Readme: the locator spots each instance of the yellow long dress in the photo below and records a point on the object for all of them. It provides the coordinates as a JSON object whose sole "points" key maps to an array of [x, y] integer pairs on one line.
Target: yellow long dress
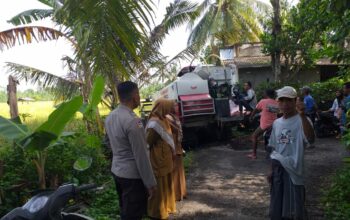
{"points": [[179, 171], [163, 202]]}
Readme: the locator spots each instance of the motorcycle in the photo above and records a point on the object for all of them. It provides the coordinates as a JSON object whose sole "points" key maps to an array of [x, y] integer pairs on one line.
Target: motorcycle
{"points": [[326, 125], [50, 205]]}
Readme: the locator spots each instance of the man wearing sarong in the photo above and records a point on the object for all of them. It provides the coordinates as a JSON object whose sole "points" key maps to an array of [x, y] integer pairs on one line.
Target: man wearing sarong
{"points": [[289, 136]]}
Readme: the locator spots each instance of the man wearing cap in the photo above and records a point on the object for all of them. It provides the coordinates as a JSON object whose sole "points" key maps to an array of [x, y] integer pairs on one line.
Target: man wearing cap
{"points": [[310, 105], [289, 136]]}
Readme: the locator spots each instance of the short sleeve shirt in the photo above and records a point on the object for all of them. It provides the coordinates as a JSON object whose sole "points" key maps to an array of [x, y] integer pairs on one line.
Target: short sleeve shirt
{"points": [[309, 103], [288, 141], [269, 110]]}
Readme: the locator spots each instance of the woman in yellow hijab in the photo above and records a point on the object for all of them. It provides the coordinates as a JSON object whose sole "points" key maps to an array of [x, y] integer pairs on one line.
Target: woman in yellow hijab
{"points": [[179, 171], [162, 150]]}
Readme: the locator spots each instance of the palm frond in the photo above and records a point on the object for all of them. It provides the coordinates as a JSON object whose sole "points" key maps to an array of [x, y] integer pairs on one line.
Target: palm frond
{"points": [[21, 35], [108, 33], [30, 16], [227, 21], [187, 54], [62, 87], [177, 14]]}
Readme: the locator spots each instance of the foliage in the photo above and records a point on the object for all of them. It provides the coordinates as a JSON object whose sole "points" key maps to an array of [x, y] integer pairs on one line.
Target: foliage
{"points": [[105, 205], [19, 181], [39, 95], [42, 137], [310, 30], [188, 160], [151, 89], [227, 21], [64, 88], [322, 92], [336, 198]]}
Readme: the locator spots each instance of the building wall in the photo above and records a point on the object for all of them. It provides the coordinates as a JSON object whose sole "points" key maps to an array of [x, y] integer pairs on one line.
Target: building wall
{"points": [[258, 75]]}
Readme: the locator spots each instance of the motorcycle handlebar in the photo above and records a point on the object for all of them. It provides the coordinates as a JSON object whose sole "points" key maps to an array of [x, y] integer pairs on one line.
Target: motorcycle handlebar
{"points": [[85, 187]]}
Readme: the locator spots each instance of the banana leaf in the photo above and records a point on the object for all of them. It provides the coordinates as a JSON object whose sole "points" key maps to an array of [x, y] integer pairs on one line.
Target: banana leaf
{"points": [[95, 97], [50, 130], [82, 163], [12, 129]]}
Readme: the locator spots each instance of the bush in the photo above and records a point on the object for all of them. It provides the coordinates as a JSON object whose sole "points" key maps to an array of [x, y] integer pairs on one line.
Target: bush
{"points": [[336, 199], [19, 181], [322, 92], [105, 205]]}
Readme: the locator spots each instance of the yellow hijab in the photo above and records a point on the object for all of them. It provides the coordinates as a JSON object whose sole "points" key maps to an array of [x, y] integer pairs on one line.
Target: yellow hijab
{"points": [[162, 107]]}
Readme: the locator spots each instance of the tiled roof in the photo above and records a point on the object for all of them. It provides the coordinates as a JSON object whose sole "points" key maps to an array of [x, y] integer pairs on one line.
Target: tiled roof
{"points": [[258, 61], [264, 61]]}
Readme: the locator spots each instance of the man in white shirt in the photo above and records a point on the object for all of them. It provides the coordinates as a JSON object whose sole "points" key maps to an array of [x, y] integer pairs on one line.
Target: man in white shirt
{"points": [[289, 136], [249, 101]]}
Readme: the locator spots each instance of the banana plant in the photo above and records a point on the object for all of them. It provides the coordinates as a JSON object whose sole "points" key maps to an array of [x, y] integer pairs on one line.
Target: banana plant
{"points": [[46, 135], [90, 109]]}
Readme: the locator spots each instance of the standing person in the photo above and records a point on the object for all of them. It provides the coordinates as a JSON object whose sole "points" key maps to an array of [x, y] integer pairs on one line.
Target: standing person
{"points": [[249, 101], [346, 107], [269, 109], [289, 136], [162, 150], [336, 108], [309, 102], [131, 167], [179, 171]]}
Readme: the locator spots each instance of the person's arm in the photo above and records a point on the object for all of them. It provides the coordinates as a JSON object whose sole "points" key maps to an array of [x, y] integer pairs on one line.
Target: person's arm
{"points": [[258, 108], [307, 126], [137, 139], [272, 143]]}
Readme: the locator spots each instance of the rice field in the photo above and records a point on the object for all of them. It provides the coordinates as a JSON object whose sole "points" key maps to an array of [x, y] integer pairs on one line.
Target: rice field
{"points": [[36, 112]]}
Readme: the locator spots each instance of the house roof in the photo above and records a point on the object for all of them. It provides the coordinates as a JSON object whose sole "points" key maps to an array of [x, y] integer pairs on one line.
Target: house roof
{"points": [[246, 62], [265, 61]]}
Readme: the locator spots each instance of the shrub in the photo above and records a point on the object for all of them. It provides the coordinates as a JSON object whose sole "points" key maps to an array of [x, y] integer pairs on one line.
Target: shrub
{"points": [[322, 92], [336, 198], [19, 180], [104, 205]]}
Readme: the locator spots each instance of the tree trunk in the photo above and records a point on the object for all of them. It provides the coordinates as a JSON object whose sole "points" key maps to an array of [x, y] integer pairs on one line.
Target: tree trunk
{"points": [[276, 30], [12, 96]]}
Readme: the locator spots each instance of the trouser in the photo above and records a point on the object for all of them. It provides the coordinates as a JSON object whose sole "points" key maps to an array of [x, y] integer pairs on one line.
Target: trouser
{"points": [[132, 198], [245, 104]]}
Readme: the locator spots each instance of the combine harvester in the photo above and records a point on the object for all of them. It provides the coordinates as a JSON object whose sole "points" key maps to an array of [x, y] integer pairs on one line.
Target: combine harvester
{"points": [[202, 94]]}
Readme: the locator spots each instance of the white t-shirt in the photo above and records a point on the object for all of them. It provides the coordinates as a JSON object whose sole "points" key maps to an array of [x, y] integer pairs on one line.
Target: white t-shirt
{"points": [[288, 140], [252, 98]]}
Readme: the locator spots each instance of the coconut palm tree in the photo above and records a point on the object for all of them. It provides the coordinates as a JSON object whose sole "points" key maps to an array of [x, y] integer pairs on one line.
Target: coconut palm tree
{"points": [[99, 48], [226, 22]]}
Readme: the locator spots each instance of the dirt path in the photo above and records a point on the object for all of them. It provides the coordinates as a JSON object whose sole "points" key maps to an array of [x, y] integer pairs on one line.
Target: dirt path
{"points": [[223, 184]]}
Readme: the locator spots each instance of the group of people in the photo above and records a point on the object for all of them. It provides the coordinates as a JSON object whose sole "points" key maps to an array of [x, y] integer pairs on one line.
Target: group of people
{"points": [[290, 134], [147, 162], [291, 119]]}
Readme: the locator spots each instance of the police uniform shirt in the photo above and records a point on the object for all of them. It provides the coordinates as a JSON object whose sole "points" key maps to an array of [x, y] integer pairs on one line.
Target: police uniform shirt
{"points": [[128, 142]]}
